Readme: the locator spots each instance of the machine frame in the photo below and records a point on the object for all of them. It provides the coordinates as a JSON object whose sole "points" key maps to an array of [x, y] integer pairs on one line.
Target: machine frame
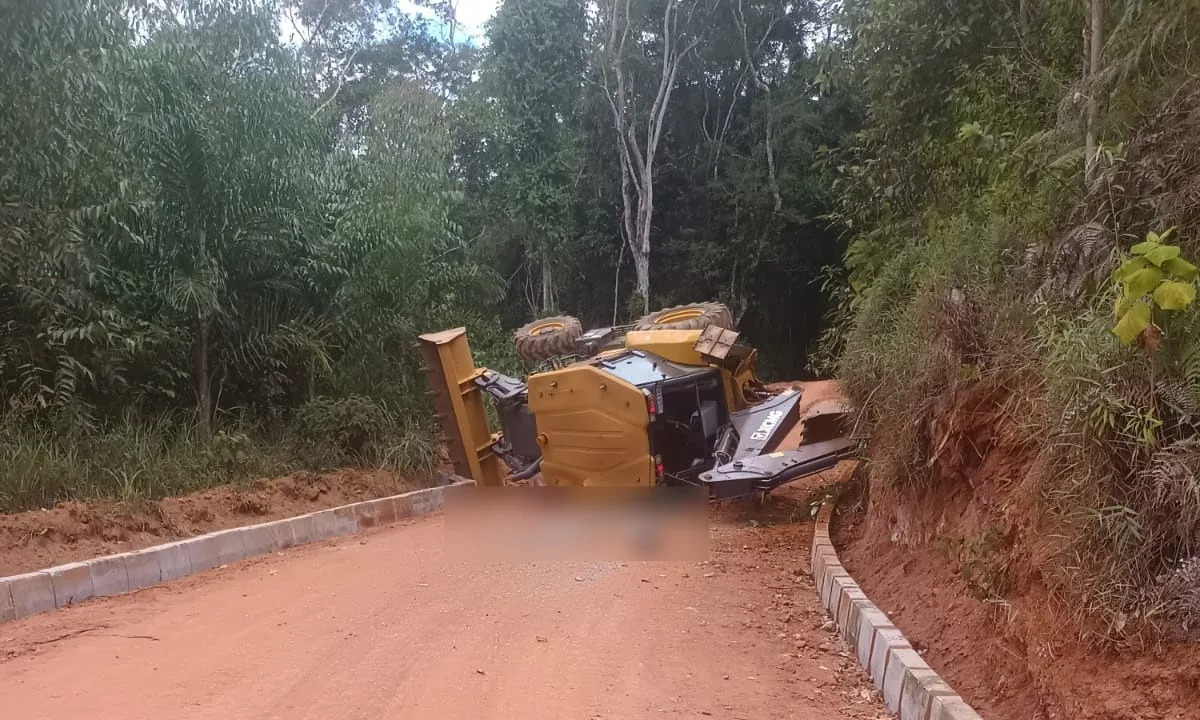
{"points": [[636, 408]]}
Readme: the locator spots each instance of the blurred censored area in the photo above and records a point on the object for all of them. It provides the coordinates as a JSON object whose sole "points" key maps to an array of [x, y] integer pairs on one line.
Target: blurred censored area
{"points": [[577, 523]]}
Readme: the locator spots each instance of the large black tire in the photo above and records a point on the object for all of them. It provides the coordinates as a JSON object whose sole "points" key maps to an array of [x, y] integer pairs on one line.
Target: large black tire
{"points": [[694, 316], [548, 338]]}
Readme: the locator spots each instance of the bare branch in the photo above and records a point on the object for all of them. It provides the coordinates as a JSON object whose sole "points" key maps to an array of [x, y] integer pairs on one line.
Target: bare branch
{"points": [[319, 25], [617, 283], [297, 22], [723, 130], [341, 79], [638, 153], [739, 19]]}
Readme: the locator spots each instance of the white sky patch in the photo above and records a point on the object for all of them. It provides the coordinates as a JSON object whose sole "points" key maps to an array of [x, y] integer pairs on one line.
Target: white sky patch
{"points": [[290, 32], [411, 8], [473, 15]]}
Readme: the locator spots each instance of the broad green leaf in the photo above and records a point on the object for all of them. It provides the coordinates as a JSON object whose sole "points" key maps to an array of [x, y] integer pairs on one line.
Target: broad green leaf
{"points": [[1129, 267], [1181, 269], [1145, 247], [1167, 234], [1124, 303], [1153, 237], [1143, 281], [1174, 295], [970, 130], [1133, 323], [1162, 253]]}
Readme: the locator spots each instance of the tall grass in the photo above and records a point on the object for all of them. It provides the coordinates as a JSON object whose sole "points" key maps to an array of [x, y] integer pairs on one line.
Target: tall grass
{"points": [[129, 459], [943, 311], [1117, 481], [369, 419], [136, 458]]}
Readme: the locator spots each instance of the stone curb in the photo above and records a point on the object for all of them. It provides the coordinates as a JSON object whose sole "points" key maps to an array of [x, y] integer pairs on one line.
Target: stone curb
{"points": [[911, 689], [45, 590]]}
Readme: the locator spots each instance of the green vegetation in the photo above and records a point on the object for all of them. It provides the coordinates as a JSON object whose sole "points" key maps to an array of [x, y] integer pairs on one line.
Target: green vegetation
{"points": [[203, 235], [1010, 203], [1154, 278], [981, 561], [223, 223]]}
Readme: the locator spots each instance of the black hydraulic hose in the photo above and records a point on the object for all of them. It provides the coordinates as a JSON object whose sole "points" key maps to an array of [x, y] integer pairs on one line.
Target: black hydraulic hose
{"points": [[528, 472]]}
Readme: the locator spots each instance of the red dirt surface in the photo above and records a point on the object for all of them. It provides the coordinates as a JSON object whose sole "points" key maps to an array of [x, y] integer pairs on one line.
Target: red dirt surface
{"points": [[1011, 653], [929, 602], [388, 625], [75, 531]]}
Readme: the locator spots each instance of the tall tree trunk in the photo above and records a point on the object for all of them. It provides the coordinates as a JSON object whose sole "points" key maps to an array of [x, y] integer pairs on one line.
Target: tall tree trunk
{"points": [[641, 267], [772, 179], [547, 284], [1095, 44], [617, 283], [203, 379], [312, 379], [641, 255], [637, 153]]}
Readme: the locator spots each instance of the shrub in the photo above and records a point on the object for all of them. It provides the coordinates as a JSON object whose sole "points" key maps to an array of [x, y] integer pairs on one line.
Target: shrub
{"points": [[341, 429], [1117, 473]]}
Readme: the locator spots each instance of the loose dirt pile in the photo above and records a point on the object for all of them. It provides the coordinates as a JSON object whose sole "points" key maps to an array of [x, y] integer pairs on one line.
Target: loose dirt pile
{"points": [[75, 531]]}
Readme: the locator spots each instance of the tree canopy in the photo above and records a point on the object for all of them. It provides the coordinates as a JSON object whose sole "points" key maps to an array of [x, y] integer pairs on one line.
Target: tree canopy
{"points": [[233, 214]]}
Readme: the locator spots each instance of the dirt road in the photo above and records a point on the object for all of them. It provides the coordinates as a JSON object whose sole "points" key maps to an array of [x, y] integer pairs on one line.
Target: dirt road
{"points": [[385, 626]]}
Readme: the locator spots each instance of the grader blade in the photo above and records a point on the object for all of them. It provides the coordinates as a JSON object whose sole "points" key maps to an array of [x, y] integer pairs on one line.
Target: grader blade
{"points": [[459, 403]]}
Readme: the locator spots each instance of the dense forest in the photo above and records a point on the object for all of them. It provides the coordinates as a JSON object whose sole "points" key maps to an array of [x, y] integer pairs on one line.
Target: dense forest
{"points": [[223, 223]]}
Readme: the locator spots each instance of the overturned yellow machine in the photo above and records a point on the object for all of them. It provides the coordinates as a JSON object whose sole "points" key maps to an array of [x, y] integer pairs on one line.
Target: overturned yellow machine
{"points": [[670, 400]]}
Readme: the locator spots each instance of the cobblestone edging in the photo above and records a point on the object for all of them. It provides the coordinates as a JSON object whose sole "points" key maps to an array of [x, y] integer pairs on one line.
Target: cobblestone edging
{"points": [[911, 689], [56, 587]]}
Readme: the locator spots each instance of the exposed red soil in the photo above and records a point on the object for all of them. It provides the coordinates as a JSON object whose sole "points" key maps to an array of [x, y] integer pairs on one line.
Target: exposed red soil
{"points": [[74, 531], [928, 601], [1006, 647]]}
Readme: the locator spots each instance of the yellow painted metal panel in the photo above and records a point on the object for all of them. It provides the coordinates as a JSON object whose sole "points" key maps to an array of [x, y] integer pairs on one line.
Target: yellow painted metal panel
{"points": [[460, 408], [674, 345], [592, 427]]}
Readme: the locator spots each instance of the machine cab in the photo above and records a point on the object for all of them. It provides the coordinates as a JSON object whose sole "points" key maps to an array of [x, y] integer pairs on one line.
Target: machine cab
{"points": [[686, 408]]}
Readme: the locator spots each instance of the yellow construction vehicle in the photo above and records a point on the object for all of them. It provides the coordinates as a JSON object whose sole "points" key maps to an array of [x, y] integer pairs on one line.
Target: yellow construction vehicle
{"points": [[670, 400]]}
